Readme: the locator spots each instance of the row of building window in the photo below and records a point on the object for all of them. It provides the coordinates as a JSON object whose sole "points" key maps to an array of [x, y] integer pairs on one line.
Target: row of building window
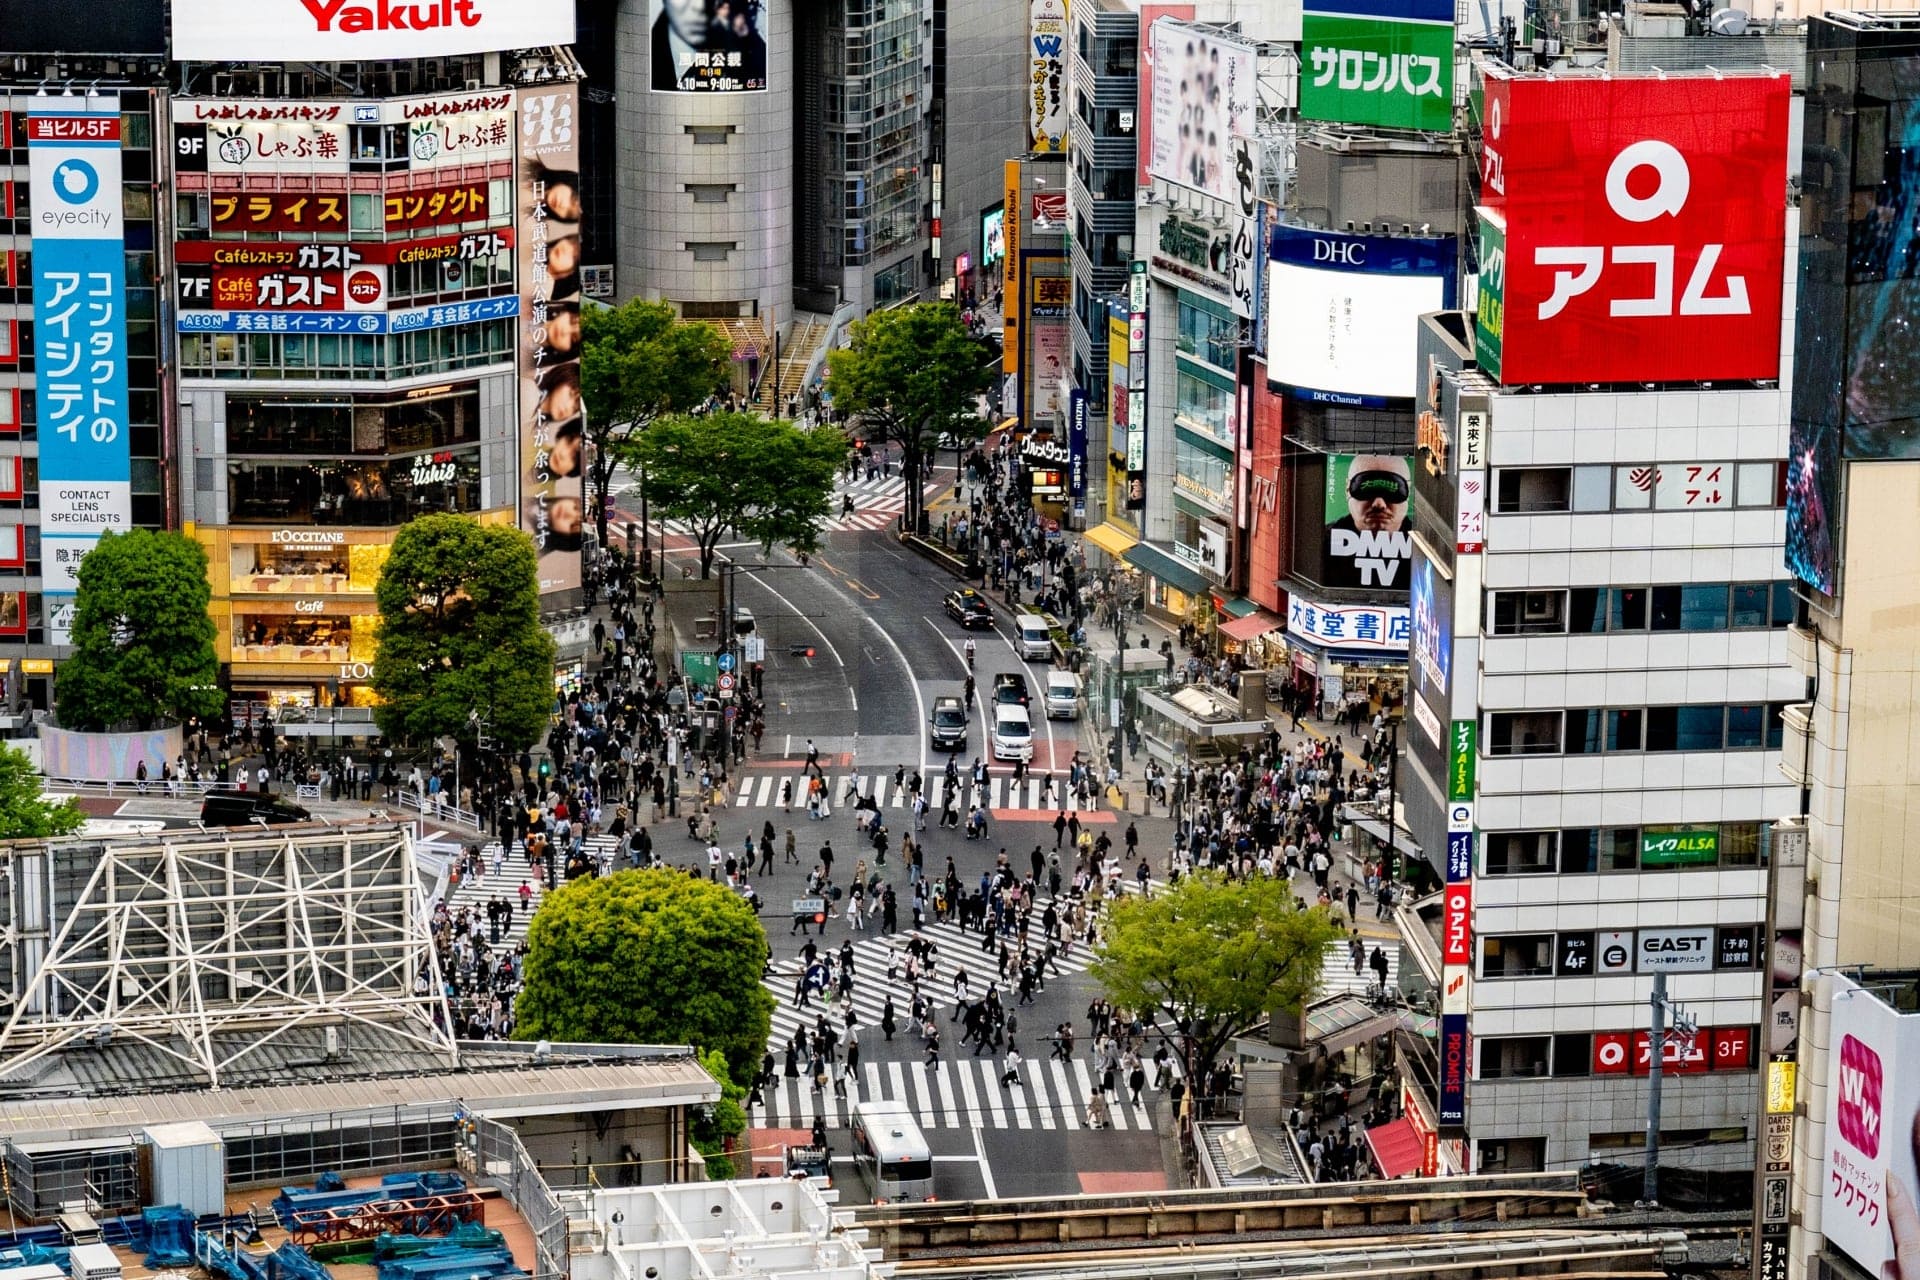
{"points": [[1642, 486], [1691, 606], [368, 216], [1579, 1054], [1591, 850], [373, 357], [1747, 726], [1588, 953]]}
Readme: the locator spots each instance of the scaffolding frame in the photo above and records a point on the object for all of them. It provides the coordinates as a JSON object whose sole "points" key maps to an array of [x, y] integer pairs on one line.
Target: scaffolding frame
{"points": [[208, 946]]}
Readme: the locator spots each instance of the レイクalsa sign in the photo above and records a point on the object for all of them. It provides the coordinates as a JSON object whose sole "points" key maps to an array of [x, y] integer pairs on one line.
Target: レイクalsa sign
{"points": [[1645, 225]]}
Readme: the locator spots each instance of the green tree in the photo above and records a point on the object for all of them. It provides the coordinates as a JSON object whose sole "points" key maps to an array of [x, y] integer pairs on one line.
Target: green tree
{"points": [[460, 641], [768, 481], [648, 957], [1216, 956], [639, 362], [26, 814], [727, 1119], [908, 375], [142, 636]]}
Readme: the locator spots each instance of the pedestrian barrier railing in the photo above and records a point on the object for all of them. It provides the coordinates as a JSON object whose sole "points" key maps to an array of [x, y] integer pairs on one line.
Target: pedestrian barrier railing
{"points": [[439, 809], [178, 787]]}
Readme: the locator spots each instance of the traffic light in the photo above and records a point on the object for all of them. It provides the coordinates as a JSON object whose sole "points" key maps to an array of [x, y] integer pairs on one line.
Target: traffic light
{"points": [[546, 768]]}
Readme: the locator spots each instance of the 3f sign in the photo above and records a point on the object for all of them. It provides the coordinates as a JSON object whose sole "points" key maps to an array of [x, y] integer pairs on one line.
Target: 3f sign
{"points": [[1668, 198]]}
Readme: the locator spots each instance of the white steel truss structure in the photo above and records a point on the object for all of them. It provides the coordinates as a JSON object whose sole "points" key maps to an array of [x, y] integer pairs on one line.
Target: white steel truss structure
{"points": [[208, 946]]}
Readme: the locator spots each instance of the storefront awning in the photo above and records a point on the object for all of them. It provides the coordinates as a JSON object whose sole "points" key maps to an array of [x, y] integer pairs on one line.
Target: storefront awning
{"points": [[1253, 626], [1397, 1148], [1112, 539], [1239, 607], [1144, 555], [1009, 424]]}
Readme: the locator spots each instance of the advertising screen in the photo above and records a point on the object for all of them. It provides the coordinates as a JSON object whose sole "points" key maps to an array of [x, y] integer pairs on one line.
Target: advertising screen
{"points": [[552, 421], [708, 46], [1813, 504], [1871, 1191], [1645, 224], [993, 237], [1431, 600], [1342, 309], [1204, 97], [79, 330], [1369, 521], [358, 30], [1047, 88], [1364, 62]]}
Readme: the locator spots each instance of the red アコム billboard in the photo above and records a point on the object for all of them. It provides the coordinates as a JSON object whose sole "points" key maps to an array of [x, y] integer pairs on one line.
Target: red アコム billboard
{"points": [[1645, 226]]}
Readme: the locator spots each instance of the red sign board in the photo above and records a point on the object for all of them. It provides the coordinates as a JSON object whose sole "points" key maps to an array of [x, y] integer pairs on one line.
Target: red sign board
{"points": [[1733, 1048], [1456, 924], [73, 128], [1610, 1050], [339, 256], [1645, 225], [327, 210], [1677, 1057], [1619, 1053]]}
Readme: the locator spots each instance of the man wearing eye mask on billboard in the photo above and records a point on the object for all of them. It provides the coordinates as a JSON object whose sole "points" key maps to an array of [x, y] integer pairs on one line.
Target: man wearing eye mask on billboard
{"points": [[1369, 525]]}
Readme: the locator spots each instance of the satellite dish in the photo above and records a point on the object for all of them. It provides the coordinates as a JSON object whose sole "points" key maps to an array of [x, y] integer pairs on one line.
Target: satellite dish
{"points": [[1728, 22]]}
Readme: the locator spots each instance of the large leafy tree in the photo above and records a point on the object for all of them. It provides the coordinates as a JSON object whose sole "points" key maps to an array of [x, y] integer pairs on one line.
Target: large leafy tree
{"points": [[25, 813], [909, 375], [460, 640], [768, 481], [639, 362], [648, 957], [1216, 956], [142, 635]]}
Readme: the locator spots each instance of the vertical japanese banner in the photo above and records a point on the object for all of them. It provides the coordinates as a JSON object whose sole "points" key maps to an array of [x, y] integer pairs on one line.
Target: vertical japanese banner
{"points": [[80, 336], [553, 456]]}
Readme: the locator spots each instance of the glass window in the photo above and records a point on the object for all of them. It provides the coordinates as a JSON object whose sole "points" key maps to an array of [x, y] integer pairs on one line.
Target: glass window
{"points": [[1573, 1054], [1632, 488], [1663, 608], [1759, 484], [1628, 610], [1775, 728], [1745, 727], [1514, 1057], [1532, 490], [1528, 613], [1590, 488], [711, 250], [1583, 730], [1740, 844], [1520, 853], [1524, 733], [365, 212], [1586, 610], [1578, 851], [1199, 474], [1206, 335], [1620, 849], [1623, 729], [1527, 955], [1701, 728], [1784, 605], [1752, 604], [1663, 732], [1202, 406], [1703, 606]]}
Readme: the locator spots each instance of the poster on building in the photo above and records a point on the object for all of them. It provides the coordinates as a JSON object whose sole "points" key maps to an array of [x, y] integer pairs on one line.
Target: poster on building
{"points": [[239, 136], [1362, 62], [362, 30], [1369, 521], [1143, 120], [1871, 1194], [552, 421], [1645, 223], [1047, 92], [1204, 97], [1431, 599], [79, 333], [1343, 311], [1052, 349], [708, 46]]}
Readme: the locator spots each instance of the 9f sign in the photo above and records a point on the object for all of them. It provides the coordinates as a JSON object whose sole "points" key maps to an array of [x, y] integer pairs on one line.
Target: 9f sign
{"points": [[1669, 197]]}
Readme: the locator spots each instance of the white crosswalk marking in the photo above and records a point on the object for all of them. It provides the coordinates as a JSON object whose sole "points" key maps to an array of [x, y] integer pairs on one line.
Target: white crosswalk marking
{"points": [[1063, 1091], [761, 791], [970, 1117]]}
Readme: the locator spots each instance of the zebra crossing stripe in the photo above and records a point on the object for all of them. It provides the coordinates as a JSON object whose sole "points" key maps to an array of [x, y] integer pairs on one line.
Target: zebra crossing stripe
{"points": [[1069, 1113], [945, 1081], [971, 1116], [763, 790]]}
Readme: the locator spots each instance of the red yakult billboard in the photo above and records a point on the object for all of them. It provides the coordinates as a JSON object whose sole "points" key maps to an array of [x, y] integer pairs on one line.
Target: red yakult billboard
{"points": [[1645, 225]]}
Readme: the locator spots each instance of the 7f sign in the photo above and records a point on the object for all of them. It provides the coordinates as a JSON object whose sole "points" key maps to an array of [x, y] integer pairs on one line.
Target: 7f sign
{"points": [[1645, 223]]}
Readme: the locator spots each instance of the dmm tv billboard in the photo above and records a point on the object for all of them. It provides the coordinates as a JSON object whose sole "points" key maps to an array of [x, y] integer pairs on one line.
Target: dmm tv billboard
{"points": [[1645, 225]]}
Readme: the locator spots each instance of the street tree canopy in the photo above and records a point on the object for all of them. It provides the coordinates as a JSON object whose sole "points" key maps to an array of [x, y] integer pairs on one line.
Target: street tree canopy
{"points": [[142, 636], [908, 375], [1216, 956], [639, 362], [648, 957], [767, 481], [25, 813], [460, 647]]}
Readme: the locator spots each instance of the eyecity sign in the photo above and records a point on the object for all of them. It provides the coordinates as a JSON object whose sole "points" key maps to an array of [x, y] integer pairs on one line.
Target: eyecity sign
{"points": [[357, 30]]}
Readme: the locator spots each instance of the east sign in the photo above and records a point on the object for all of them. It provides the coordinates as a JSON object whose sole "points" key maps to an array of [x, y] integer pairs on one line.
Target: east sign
{"points": [[1644, 226]]}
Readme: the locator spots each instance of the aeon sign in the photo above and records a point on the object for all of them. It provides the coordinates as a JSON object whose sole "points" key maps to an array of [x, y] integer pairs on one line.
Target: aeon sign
{"points": [[1645, 226]]}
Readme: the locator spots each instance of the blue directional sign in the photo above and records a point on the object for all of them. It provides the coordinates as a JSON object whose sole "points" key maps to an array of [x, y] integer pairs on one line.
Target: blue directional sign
{"points": [[726, 662]]}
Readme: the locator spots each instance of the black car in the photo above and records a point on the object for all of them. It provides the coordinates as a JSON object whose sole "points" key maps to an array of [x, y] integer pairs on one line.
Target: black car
{"points": [[231, 808], [1010, 686], [969, 608], [948, 724]]}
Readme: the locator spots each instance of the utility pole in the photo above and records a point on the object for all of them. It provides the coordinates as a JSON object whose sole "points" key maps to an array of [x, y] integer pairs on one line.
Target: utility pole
{"points": [[1684, 1027]]}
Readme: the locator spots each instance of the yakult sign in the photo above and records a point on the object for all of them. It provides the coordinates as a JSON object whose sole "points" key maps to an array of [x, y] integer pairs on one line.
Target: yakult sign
{"points": [[1644, 226], [356, 30]]}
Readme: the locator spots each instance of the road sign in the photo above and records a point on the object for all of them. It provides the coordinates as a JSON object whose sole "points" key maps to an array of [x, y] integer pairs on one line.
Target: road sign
{"points": [[733, 713], [726, 683], [726, 662], [755, 649]]}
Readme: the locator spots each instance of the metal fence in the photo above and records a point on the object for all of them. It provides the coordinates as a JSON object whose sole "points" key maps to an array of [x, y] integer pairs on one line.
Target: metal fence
{"points": [[503, 1160]]}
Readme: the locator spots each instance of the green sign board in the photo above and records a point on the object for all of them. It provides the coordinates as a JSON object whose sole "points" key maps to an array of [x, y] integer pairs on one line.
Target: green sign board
{"points": [[1679, 846], [1461, 739], [1490, 312], [701, 668], [1377, 71]]}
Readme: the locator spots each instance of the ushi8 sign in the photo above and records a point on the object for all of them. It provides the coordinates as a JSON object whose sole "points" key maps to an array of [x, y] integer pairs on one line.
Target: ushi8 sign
{"points": [[1645, 223], [80, 330]]}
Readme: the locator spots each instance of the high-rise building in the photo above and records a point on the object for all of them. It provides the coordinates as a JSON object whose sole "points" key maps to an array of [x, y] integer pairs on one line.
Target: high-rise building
{"points": [[376, 285], [83, 375], [1599, 617]]}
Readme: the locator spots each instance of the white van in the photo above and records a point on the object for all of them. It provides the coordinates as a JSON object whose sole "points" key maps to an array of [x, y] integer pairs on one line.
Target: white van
{"points": [[1063, 695], [1033, 637], [891, 1152], [1012, 732]]}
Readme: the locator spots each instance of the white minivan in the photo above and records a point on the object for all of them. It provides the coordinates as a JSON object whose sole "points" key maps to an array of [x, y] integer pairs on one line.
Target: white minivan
{"points": [[1063, 695], [1033, 637], [1012, 732]]}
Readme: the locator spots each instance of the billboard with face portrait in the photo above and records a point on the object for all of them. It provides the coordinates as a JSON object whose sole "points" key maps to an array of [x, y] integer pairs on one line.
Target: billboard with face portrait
{"points": [[1204, 97], [552, 422], [708, 46], [1369, 521]]}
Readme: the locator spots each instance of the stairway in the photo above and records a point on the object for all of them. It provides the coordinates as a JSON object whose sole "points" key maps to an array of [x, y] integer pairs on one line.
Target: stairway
{"points": [[796, 354]]}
